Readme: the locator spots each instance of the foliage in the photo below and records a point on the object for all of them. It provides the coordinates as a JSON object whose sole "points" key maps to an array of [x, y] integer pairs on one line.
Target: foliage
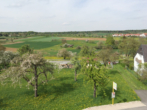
{"points": [[86, 51], [66, 45], [77, 66], [142, 72], [114, 56], [105, 55], [110, 40], [64, 53], [23, 67], [99, 45], [6, 57], [25, 49], [129, 46], [78, 47], [95, 73]]}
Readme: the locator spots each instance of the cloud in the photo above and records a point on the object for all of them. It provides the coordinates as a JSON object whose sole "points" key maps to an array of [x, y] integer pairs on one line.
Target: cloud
{"points": [[73, 15], [65, 23], [15, 5], [19, 3]]}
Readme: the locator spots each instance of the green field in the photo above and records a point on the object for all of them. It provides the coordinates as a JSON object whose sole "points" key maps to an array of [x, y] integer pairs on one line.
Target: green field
{"points": [[63, 93], [35, 45], [40, 39], [51, 48]]}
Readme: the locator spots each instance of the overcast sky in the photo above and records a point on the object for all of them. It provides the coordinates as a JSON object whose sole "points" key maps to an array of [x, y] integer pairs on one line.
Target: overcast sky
{"points": [[72, 15]]}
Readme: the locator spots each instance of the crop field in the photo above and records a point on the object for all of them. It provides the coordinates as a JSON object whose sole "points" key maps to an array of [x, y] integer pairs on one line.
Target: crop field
{"points": [[40, 39], [51, 48], [63, 93], [35, 45]]}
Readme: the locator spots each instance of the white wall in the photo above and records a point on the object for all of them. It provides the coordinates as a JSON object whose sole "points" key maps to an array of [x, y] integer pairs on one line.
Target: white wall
{"points": [[142, 35], [140, 57]]}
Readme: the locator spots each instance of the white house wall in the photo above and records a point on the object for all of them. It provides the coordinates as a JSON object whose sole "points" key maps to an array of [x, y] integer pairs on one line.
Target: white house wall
{"points": [[139, 57]]}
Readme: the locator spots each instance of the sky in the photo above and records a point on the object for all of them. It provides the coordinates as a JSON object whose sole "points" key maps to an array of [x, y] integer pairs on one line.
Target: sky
{"points": [[72, 15]]}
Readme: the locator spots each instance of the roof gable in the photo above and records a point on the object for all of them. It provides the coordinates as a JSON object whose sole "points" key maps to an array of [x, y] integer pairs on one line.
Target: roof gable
{"points": [[143, 51]]}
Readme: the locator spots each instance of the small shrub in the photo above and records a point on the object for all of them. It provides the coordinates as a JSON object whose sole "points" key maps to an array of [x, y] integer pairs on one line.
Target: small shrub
{"points": [[63, 41], [78, 47], [91, 41]]}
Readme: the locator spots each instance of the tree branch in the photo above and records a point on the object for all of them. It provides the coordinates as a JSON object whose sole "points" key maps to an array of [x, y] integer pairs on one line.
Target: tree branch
{"points": [[27, 79]]}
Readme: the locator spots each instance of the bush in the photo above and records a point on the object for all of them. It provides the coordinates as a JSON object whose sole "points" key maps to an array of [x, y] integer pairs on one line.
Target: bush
{"points": [[78, 47], [114, 47], [91, 41], [65, 45]]}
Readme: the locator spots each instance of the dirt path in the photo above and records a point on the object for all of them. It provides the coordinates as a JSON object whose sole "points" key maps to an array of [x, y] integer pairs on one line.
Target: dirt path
{"points": [[11, 49], [72, 38]]}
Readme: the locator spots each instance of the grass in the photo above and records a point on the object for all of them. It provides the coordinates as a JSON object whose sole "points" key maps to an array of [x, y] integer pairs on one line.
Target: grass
{"points": [[132, 81], [63, 93]]}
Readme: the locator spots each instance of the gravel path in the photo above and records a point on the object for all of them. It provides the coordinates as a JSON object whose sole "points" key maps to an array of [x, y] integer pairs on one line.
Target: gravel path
{"points": [[60, 62]]}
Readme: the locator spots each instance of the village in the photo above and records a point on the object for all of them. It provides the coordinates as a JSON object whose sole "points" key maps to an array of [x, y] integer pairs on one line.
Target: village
{"points": [[130, 35]]}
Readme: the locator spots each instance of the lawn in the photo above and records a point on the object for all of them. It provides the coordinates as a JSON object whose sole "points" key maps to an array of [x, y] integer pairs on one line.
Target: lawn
{"points": [[63, 93]]}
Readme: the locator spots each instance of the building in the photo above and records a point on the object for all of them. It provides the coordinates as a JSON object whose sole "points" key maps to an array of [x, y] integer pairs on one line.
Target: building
{"points": [[143, 35], [127, 35], [140, 57]]}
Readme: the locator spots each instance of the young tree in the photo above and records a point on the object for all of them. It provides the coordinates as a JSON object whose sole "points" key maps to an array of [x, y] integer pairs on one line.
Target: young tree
{"points": [[110, 40], [129, 46], [84, 51], [76, 64], [29, 67], [114, 56], [64, 53], [95, 73], [100, 44], [25, 49], [105, 55]]}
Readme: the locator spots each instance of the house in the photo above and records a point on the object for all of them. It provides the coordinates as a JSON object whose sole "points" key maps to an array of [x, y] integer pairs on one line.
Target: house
{"points": [[143, 35], [140, 57]]}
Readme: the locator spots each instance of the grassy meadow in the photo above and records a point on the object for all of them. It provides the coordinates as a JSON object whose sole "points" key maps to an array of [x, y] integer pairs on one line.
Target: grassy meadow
{"points": [[63, 93]]}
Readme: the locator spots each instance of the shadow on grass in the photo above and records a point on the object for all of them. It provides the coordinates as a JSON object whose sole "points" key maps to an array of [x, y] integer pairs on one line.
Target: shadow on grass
{"points": [[56, 89], [113, 72], [108, 92], [3, 104]]}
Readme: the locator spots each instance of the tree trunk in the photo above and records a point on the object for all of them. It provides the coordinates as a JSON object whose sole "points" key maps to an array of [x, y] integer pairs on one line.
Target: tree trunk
{"points": [[75, 75], [94, 93], [36, 82], [64, 58]]}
